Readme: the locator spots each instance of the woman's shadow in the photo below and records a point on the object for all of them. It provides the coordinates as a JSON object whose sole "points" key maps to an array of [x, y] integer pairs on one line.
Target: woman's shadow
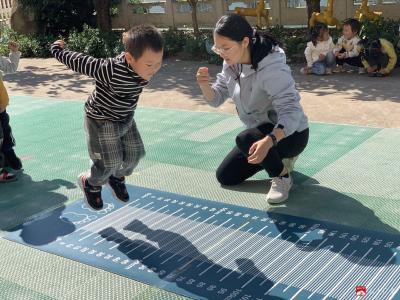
{"points": [[316, 202], [176, 260], [22, 200]]}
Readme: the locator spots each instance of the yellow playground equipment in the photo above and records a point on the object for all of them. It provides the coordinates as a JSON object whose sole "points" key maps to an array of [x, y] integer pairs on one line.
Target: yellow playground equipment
{"points": [[259, 12], [325, 17], [363, 13]]}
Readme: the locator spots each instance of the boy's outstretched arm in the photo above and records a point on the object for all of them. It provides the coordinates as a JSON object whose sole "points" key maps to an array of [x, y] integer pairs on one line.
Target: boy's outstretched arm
{"points": [[10, 64], [97, 68]]}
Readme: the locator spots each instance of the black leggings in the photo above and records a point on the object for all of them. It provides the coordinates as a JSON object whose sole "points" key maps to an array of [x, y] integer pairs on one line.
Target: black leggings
{"points": [[235, 169], [352, 61]]}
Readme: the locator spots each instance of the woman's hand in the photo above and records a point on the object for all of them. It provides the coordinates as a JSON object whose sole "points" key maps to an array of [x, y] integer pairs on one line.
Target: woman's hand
{"points": [[259, 150], [203, 77], [341, 56]]}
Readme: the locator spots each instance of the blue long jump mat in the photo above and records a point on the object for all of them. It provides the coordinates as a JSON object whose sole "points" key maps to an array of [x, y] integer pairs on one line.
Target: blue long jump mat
{"points": [[210, 250]]}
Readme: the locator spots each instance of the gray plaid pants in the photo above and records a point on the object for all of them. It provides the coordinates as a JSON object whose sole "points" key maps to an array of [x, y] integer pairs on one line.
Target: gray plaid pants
{"points": [[115, 148]]}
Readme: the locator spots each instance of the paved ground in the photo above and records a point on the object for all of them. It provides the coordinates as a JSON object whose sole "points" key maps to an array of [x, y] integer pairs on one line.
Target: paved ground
{"points": [[344, 98]]}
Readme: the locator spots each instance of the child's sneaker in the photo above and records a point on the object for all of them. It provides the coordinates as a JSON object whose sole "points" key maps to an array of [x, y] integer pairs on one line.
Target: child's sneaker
{"points": [[118, 188], [328, 71], [305, 71], [92, 193], [339, 69], [361, 71], [12, 160], [6, 176], [279, 190]]}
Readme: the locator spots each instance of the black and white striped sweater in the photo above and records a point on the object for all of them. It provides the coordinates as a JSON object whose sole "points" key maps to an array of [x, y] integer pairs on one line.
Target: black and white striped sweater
{"points": [[117, 87]]}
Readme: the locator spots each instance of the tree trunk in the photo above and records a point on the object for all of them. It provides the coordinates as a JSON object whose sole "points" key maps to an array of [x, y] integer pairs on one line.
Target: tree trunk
{"points": [[312, 6], [103, 15], [193, 5]]}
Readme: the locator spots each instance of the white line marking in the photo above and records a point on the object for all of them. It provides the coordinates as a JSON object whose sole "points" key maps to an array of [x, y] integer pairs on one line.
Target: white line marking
{"points": [[348, 273], [108, 225], [280, 280]]}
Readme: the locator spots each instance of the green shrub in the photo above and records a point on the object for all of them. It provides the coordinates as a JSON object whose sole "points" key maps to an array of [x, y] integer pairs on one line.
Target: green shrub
{"points": [[174, 40], [30, 45], [95, 43]]}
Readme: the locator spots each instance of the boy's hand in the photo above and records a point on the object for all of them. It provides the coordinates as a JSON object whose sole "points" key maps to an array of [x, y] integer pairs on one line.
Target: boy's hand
{"points": [[61, 43], [202, 76], [13, 46], [322, 56]]}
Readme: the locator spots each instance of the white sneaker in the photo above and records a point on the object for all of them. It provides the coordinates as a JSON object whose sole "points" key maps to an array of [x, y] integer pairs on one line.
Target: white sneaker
{"points": [[279, 190], [289, 163], [305, 71], [361, 71]]}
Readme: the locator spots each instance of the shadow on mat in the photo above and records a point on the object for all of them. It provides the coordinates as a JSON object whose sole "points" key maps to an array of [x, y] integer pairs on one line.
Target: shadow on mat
{"points": [[175, 259], [25, 198], [316, 202]]}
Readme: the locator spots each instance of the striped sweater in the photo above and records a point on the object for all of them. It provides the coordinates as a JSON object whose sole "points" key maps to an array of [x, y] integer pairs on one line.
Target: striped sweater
{"points": [[117, 86]]}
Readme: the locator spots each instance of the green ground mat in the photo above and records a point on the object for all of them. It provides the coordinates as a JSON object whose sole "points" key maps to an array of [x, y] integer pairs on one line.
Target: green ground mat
{"points": [[347, 175]]}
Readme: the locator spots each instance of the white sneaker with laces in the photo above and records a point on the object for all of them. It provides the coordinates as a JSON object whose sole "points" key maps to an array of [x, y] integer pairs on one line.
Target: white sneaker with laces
{"points": [[279, 190]]}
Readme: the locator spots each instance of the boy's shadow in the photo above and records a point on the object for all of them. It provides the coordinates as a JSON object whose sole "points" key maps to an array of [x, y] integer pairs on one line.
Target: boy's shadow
{"points": [[178, 261], [26, 198], [316, 202]]}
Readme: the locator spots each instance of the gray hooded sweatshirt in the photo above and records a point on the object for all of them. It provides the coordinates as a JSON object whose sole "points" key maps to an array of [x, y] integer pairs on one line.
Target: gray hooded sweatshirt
{"points": [[267, 95]]}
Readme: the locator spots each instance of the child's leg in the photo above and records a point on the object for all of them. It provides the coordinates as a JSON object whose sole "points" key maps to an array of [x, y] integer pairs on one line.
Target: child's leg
{"points": [[4, 175], [340, 61], [354, 61], [2, 160], [132, 149], [9, 142], [105, 150], [330, 61], [318, 68], [383, 61]]}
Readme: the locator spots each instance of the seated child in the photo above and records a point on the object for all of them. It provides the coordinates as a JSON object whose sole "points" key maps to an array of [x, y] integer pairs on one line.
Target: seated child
{"points": [[379, 57], [347, 49], [319, 52]]}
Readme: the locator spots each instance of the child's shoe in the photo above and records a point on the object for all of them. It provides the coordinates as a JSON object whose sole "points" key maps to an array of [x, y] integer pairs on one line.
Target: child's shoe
{"points": [[119, 188], [339, 69], [92, 193], [6, 176], [361, 71], [305, 71], [328, 71], [12, 160]]}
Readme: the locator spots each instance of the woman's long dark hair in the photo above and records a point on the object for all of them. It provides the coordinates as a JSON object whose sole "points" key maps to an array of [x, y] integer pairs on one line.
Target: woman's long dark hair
{"points": [[236, 28], [315, 32]]}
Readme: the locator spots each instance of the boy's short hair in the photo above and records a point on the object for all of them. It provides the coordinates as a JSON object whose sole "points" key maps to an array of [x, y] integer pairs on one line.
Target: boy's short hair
{"points": [[354, 24], [142, 37]]}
